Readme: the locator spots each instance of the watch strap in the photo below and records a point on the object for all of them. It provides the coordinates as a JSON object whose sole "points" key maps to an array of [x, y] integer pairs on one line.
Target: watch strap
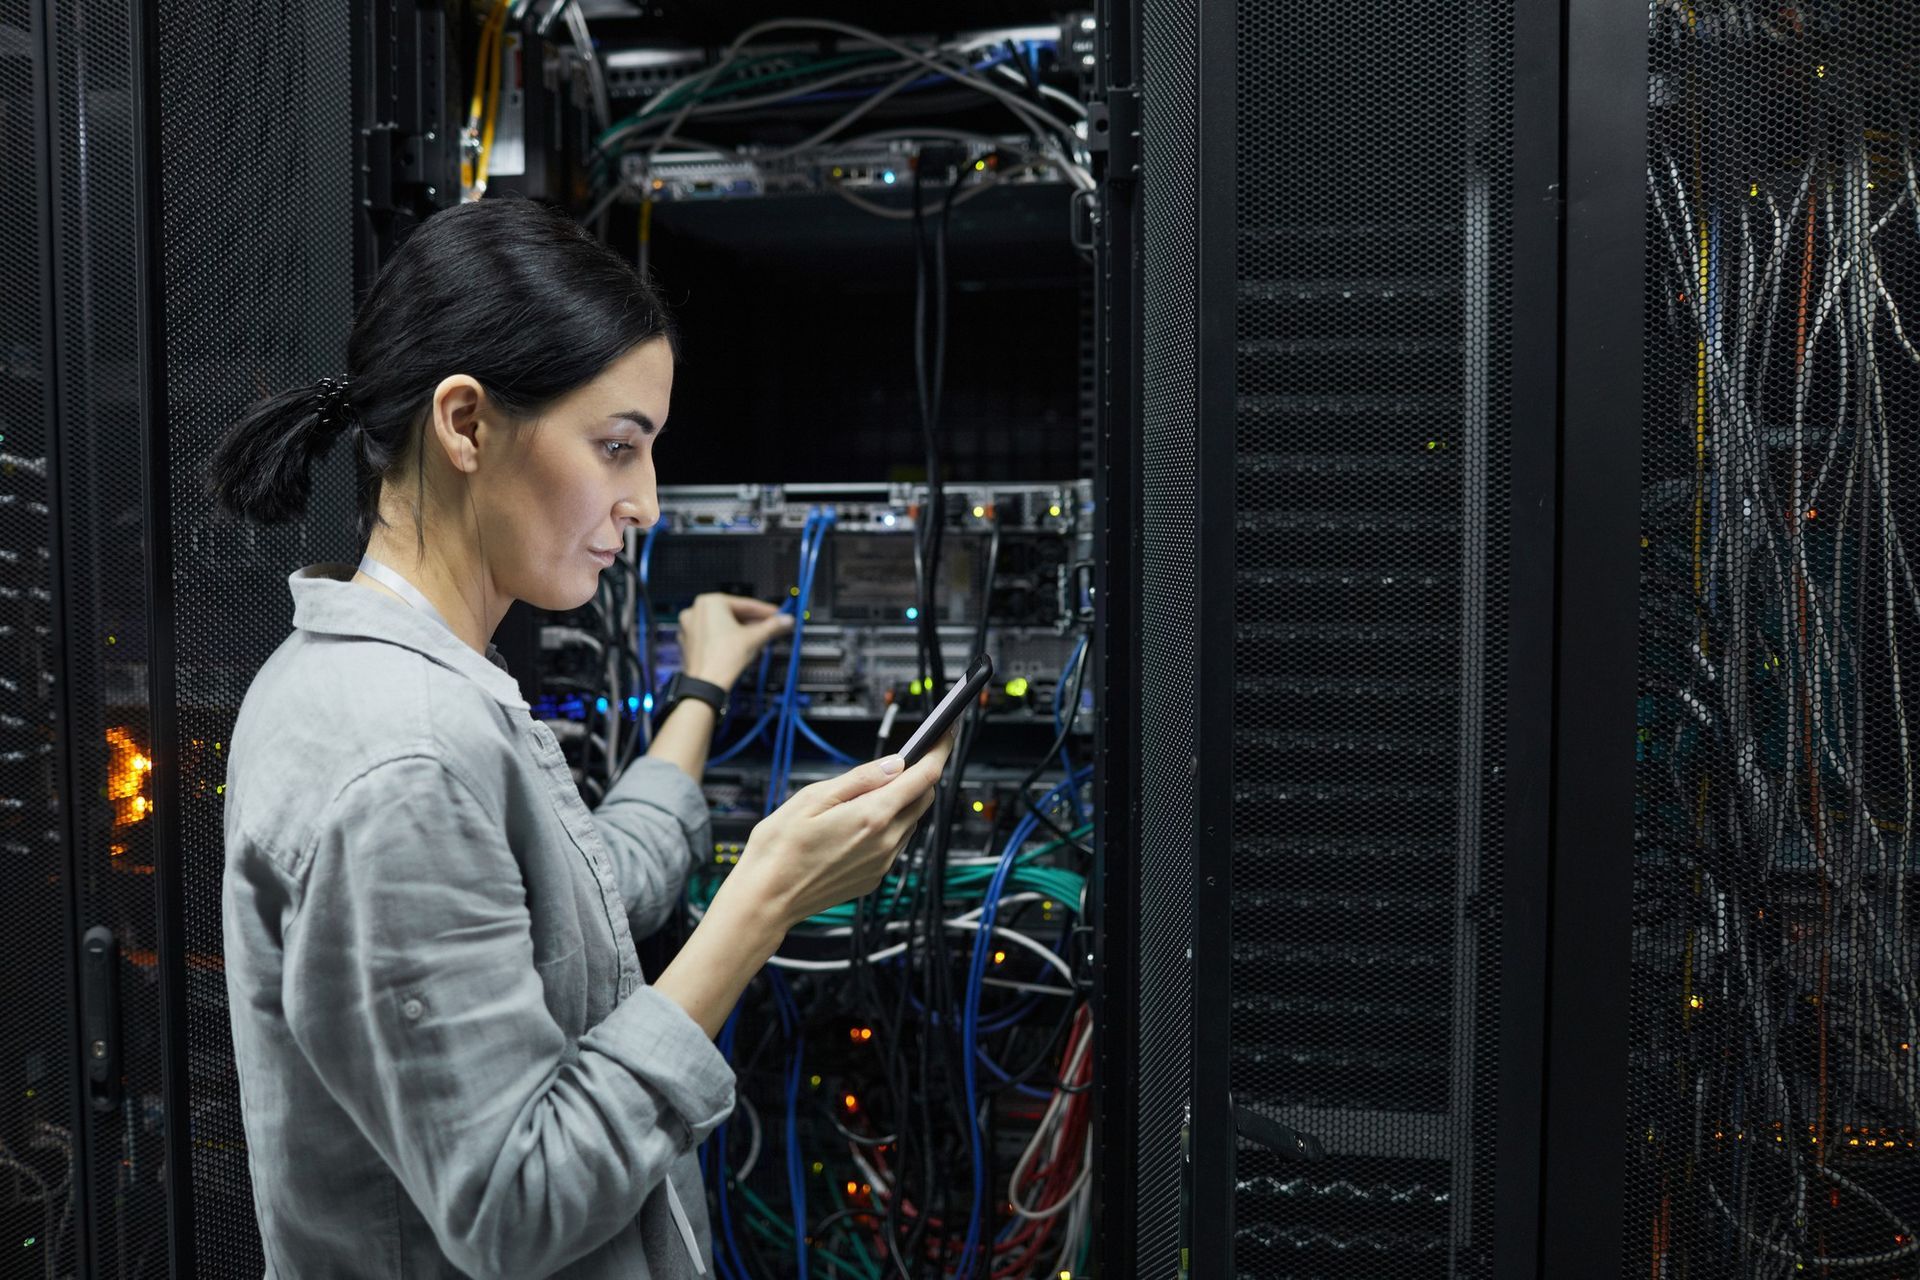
{"points": [[683, 686]]}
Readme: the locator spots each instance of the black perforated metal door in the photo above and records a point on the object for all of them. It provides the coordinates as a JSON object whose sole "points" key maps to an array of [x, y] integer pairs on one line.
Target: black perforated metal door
{"points": [[1355, 434], [176, 240], [1169, 642], [1773, 1096], [259, 294], [37, 1032], [1373, 336]]}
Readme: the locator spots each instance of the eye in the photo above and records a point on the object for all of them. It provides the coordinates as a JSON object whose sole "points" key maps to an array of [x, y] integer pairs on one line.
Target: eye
{"points": [[614, 448]]}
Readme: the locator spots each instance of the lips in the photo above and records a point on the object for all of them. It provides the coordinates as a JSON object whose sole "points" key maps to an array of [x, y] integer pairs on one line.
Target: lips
{"points": [[606, 558]]}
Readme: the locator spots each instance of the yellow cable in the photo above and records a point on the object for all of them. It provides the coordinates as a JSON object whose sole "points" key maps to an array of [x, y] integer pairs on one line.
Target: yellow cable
{"points": [[473, 105], [1700, 426], [499, 57], [488, 54]]}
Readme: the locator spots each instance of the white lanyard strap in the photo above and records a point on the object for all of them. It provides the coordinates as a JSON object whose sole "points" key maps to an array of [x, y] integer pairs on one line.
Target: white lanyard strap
{"points": [[392, 581], [686, 1227]]}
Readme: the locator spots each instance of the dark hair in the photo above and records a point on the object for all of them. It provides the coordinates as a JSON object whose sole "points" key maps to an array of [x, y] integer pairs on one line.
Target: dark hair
{"points": [[509, 291]]}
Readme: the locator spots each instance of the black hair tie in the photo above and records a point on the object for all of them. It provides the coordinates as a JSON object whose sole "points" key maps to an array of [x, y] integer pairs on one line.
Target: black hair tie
{"points": [[331, 405]]}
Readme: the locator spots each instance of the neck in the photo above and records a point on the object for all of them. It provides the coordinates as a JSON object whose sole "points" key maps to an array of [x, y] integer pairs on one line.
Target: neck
{"points": [[456, 584]]}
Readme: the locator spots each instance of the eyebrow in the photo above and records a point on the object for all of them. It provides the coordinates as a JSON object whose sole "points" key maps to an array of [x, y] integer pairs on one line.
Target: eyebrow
{"points": [[637, 418]]}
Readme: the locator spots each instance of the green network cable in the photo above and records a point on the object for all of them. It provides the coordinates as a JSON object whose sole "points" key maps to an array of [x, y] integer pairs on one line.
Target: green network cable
{"points": [[867, 1260], [776, 1230], [970, 883], [675, 96]]}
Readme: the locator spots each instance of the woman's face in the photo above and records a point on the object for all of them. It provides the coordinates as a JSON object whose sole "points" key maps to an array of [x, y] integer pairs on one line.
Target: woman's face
{"points": [[572, 484]]}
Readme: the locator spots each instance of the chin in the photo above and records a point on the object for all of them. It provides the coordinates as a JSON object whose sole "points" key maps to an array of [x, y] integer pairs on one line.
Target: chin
{"points": [[562, 592]]}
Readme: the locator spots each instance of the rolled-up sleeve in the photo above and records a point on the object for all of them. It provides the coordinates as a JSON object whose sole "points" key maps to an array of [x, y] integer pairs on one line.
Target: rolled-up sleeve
{"points": [[654, 822], [410, 986]]}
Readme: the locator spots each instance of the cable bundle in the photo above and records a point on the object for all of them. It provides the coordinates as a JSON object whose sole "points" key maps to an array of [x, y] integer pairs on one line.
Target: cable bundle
{"points": [[909, 1103], [1777, 778], [764, 89]]}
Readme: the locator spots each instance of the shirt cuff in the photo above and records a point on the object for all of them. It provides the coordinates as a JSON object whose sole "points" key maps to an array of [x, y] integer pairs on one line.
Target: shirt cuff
{"points": [[660, 1044]]}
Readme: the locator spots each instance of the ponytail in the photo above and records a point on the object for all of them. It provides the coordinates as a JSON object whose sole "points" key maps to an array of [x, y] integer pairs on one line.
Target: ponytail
{"points": [[513, 293], [262, 469]]}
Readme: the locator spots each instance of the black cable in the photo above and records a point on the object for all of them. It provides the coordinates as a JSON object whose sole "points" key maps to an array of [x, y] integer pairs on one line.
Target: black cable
{"points": [[843, 1217], [1052, 754], [927, 530], [1052, 1041], [883, 1140], [986, 587], [915, 1115], [632, 748]]}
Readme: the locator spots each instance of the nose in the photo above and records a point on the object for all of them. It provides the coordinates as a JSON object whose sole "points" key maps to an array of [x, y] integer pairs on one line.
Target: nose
{"points": [[640, 509]]}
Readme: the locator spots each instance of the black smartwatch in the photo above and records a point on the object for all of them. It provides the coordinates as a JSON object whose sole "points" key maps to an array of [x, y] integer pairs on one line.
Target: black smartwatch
{"points": [[683, 686]]}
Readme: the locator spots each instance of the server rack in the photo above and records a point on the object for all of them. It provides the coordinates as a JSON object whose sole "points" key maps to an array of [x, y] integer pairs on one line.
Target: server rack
{"points": [[1555, 1067], [1373, 441], [194, 173], [1747, 1060], [1705, 1063]]}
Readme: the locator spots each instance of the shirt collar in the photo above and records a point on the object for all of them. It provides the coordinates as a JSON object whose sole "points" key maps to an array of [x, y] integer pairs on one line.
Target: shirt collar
{"points": [[326, 602]]}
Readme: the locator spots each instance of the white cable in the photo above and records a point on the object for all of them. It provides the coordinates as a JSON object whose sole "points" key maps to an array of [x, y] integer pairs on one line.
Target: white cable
{"points": [[1067, 100], [887, 953], [596, 79], [1079, 1220], [1035, 988], [753, 1148], [1035, 120], [1019, 939], [969, 921], [962, 45], [1054, 1115], [881, 1187]]}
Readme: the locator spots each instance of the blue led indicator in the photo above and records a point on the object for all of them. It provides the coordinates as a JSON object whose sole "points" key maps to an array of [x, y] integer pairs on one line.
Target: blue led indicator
{"points": [[648, 700], [633, 704], [912, 613], [600, 706], [887, 177]]}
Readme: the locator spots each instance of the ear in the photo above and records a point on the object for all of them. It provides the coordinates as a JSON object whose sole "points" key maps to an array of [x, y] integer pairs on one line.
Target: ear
{"points": [[453, 421]]}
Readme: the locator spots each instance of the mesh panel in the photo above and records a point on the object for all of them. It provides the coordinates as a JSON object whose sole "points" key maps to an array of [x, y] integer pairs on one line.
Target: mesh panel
{"points": [[1169, 646], [104, 601], [36, 1093], [255, 111], [1774, 1100], [1370, 612]]}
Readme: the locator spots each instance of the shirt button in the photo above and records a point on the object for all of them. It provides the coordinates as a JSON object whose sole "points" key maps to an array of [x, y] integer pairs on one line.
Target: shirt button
{"points": [[413, 1009]]}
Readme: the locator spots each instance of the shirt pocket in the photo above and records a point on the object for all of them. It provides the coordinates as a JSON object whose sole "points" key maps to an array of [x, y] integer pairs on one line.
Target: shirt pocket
{"points": [[564, 980]]}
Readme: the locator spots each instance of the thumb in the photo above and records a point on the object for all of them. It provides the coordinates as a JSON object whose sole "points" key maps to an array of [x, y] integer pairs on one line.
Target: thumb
{"points": [[767, 628], [856, 782]]}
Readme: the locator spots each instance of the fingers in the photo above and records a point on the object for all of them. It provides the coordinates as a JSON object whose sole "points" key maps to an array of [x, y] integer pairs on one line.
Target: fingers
{"points": [[927, 770], [746, 608], [907, 819], [767, 628], [915, 786], [854, 783]]}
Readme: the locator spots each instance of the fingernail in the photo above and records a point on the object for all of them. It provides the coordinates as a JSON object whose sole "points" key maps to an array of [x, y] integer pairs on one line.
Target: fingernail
{"points": [[783, 620], [892, 765]]}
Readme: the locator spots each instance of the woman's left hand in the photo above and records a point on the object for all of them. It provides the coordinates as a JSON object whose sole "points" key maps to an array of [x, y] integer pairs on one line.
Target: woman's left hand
{"points": [[721, 634]]}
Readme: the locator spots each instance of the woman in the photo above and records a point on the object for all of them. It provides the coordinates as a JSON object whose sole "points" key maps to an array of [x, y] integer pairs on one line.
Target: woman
{"points": [[449, 1061]]}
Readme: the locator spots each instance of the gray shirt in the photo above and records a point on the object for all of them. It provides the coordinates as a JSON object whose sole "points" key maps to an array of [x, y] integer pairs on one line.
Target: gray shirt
{"points": [[449, 1060]]}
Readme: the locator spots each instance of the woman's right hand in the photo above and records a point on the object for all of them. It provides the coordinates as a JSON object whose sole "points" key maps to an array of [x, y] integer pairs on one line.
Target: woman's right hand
{"points": [[835, 840]]}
